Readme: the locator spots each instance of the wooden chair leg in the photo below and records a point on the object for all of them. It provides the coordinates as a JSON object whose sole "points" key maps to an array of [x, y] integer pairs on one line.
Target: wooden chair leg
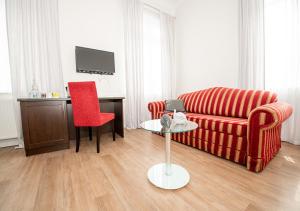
{"points": [[98, 139], [113, 129], [77, 138], [90, 133]]}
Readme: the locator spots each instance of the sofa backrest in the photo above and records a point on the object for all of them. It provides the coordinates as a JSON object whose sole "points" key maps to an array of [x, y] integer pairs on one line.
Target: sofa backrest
{"points": [[223, 101]]}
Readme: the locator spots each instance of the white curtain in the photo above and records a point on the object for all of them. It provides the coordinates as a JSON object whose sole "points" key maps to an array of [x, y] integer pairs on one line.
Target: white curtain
{"points": [[158, 57], [252, 48], [33, 35], [134, 63], [168, 56], [270, 53], [282, 73], [152, 58], [5, 81], [150, 53]]}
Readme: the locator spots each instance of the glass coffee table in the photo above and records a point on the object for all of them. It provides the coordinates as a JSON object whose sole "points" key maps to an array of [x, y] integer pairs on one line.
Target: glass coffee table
{"points": [[168, 175]]}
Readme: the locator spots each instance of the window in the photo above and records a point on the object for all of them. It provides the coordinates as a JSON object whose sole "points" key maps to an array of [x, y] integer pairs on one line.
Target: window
{"points": [[152, 55], [5, 80], [282, 44]]}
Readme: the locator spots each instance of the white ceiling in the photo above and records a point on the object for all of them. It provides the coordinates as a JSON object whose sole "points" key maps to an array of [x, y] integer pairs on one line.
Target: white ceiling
{"points": [[168, 6], [171, 2]]}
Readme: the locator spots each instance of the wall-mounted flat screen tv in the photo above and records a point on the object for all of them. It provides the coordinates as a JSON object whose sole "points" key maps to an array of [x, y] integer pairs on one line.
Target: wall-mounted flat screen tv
{"points": [[94, 61]]}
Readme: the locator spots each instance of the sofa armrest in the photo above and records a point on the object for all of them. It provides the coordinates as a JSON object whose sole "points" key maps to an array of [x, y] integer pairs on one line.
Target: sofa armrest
{"points": [[155, 107], [264, 131], [270, 115]]}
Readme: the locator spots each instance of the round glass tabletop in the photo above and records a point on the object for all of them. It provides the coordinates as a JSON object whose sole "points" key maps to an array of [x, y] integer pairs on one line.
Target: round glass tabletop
{"points": [[155, 126]]}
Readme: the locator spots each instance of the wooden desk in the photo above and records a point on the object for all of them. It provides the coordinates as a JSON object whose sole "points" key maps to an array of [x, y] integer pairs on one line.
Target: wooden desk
{"points": [[48, 122]]}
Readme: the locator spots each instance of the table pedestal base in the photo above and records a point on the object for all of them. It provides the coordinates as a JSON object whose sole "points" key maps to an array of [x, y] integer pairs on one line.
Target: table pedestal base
{"points": [[178, 177]]}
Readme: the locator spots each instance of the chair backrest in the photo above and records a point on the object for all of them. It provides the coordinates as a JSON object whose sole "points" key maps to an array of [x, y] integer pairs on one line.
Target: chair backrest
{"points": [[85, 101], [223, 101]]}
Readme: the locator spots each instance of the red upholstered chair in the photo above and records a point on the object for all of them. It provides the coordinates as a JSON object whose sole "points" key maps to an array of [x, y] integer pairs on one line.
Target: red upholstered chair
{"points": [[86, 110]]}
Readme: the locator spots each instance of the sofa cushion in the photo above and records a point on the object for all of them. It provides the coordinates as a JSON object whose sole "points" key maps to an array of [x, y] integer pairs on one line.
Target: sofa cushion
{"points": [[227, 125], [223, 101]]}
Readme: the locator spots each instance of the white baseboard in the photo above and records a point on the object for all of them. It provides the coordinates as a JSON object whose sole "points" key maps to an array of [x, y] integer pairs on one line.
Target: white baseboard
{"points": [[9, 142]]}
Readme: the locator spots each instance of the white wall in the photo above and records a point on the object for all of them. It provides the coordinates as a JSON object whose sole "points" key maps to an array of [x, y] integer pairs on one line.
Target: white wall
{"points": [[95, 24], [206, 34], [207, 44]]}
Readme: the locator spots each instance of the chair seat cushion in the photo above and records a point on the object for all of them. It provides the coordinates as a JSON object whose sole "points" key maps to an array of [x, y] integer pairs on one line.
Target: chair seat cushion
{"points": [[97, 120], [228, 125], [106, 117]]}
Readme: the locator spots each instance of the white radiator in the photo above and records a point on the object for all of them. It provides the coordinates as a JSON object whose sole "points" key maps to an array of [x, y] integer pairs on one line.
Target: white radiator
{"points": [[8, 130]]}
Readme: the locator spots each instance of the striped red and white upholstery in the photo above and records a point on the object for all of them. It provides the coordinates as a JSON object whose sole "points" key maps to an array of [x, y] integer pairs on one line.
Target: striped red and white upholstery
{"points": [[155, 108], [227, 146], [222, 101], [264, 132], [239, 125], [228, 125]]}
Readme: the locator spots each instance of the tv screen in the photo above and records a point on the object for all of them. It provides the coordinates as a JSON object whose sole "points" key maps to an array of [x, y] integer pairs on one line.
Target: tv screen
{"points": [[94, 61]]}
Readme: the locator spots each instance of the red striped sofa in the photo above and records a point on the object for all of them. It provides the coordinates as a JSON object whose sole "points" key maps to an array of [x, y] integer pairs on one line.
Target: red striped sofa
{"points": [[243, 126]]}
